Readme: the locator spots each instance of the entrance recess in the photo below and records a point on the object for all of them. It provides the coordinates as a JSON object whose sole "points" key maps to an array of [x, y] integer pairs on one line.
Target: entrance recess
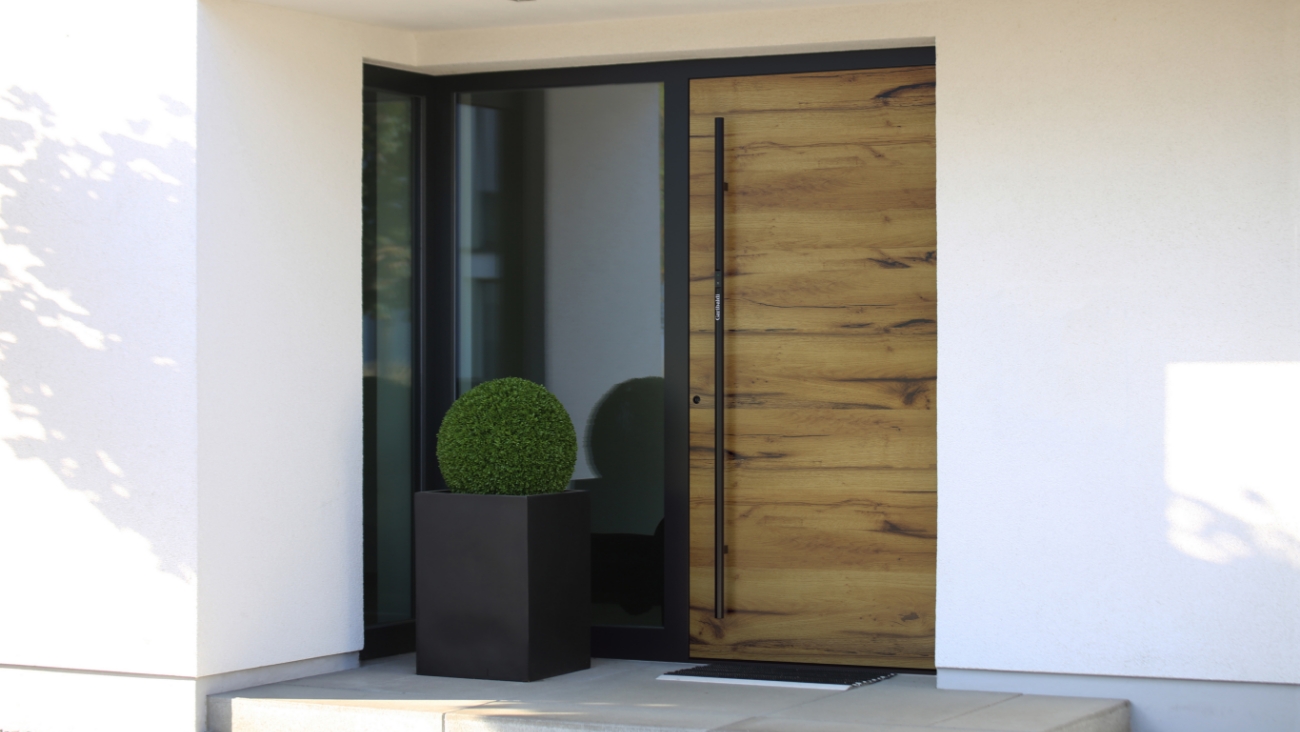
{"points": [[829, 353], [560, 227]]}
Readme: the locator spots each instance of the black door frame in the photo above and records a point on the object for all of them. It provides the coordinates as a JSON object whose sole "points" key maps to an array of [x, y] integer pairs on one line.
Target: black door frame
{"points": [[435, 263]]}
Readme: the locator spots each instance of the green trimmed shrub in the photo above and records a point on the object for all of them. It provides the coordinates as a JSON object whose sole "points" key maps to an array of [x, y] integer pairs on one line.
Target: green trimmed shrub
{"points": [[508, 436]]}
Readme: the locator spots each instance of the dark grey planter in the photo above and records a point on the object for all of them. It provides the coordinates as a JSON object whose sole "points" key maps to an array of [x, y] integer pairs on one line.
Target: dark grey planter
{"points": [[502, 585]]}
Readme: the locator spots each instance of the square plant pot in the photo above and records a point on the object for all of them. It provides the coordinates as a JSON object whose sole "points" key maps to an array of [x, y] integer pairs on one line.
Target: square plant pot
{"points": [[502, 585]]}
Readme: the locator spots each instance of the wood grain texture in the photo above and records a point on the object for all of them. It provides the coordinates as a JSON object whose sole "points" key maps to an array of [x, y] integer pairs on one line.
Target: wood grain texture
{"points": [[830, 377]]}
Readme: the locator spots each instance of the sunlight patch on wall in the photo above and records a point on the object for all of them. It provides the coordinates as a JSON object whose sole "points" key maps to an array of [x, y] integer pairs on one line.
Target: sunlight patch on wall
{"points": [[1232, 460]]}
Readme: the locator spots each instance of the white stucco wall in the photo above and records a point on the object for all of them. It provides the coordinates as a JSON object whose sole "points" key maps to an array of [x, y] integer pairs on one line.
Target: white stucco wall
{"points": [[180, 418], [279, 314], [1118, 228]]}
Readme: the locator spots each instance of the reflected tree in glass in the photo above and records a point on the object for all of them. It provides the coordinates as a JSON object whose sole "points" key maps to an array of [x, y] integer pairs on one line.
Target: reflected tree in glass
{"points": [[388, 209]]}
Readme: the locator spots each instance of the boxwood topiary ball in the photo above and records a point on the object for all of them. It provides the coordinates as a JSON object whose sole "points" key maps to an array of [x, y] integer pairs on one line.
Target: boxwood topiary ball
{"points": [[507, 436]]}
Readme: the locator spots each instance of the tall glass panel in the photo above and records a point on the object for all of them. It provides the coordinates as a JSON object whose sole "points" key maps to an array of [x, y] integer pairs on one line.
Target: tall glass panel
{"points": [[560, 280], [387, 243]]}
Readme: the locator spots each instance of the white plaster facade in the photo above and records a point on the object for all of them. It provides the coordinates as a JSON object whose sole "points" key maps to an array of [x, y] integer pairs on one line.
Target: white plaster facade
{"points": [[180, 430]]}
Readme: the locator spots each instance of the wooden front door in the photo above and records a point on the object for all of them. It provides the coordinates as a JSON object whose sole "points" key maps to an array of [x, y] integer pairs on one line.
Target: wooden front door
{"points": [[829, 377]]}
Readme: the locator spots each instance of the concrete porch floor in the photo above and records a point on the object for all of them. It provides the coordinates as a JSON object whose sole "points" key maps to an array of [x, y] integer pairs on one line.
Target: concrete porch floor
{"points": [[624, 696]]}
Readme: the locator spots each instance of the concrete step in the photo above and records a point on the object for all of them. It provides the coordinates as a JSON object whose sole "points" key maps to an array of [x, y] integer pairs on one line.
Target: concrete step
{"points": [[625, 696]]}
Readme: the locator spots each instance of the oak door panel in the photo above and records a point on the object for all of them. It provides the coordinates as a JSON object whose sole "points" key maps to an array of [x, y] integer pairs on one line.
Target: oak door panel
{"points": [[830, 382]]}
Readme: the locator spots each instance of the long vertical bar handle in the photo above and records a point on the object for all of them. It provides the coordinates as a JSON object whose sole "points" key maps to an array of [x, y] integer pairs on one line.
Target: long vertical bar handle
{"points": [[719, 385]]}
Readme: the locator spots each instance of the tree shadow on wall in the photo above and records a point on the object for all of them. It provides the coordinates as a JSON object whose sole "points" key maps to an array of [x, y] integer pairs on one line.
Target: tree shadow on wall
{"points": [[96, 375]]}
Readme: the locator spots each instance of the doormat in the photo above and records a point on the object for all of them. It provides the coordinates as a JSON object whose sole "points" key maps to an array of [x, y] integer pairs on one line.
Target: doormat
{"points": [[796, 676]]}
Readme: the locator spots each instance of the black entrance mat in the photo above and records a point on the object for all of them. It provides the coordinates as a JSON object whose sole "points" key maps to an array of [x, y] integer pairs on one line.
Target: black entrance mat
{"points": [[780, 674]]}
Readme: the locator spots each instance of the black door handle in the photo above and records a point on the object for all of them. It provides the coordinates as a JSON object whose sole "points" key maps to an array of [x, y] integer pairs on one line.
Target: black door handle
{"points": [[719, 387]]}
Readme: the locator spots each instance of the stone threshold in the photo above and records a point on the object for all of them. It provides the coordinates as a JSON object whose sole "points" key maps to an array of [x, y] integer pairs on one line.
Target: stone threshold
{"points": [[625, 696]]}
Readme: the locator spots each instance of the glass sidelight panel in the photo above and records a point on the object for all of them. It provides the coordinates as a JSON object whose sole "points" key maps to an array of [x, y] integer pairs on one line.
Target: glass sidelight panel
{"points": [[560, 280], [388, 210]]}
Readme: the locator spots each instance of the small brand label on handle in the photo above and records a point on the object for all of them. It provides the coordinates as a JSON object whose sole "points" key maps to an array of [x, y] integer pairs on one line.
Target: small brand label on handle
{"points": [[717, 295]]}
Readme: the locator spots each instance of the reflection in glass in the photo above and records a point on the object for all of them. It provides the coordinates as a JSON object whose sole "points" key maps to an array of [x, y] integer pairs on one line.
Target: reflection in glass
{"points": [[560, 280], [387, 227]]}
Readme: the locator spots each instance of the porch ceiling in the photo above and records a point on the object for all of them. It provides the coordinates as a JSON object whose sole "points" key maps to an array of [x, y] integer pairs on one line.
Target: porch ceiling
{"points": [[462, 14]]}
